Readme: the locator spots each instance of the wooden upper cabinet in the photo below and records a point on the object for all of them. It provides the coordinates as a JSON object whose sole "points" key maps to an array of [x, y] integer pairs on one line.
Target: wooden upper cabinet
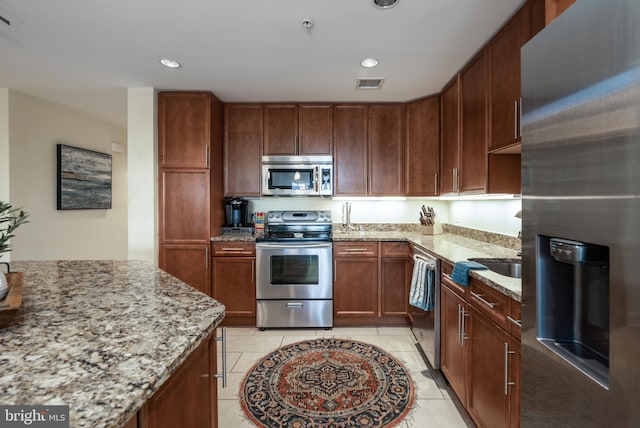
{"points": [[315, 129], [505, 84], [386, 150], [184, 203], [350, 124], [533, 18], [280, 129], [450, 137], [422, 119], [243, 129], [292, 129], [473, 138], [184, 129], [555, 7]]}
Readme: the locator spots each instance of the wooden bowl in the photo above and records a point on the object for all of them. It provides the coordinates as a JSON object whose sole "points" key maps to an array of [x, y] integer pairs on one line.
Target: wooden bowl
{"points": [[10, 305]]}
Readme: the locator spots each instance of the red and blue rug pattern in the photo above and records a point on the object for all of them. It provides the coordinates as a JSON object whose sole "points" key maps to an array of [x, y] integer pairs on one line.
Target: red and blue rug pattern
{"points": [[327, 383]]}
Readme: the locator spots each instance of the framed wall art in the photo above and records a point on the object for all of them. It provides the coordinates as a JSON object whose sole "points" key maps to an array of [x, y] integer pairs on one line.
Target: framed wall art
{"points": [[84, 179]]}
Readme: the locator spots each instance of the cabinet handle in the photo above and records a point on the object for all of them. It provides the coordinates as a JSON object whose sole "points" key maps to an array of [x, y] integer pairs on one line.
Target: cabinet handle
{"points": [[253, 271], [223, 375], [435, 185], [358, 250], [297, 144], [232, 249], [335, 266], [464, 337], [455, 181], [479, 297], [520, 118], [206, 154], [515, 119], [460, 324], [206, 258], [506, 368], [514, 321]]}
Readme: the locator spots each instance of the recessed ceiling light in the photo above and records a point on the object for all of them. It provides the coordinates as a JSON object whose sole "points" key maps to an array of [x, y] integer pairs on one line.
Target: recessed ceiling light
{"points": [[369, 62], [384, 4], [170, 63]]}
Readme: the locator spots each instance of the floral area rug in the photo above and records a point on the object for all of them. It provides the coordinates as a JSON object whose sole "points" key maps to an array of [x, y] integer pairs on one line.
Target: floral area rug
{"points": [[327, 383]]}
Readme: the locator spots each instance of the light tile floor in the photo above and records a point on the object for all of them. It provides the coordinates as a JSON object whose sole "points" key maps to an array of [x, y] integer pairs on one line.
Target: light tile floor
{"points": [[435, 403]]}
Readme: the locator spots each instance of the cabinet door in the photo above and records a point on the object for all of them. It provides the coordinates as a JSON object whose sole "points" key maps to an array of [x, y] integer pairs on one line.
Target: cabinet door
{"points": [[473, 138], [280, 129], [184, 129], [422, 147], [185, 399], [188, 263], [505, 84], [453, 341], [234, 285], [184, 206], [243, 125], [355, 291], [350, 150], [316, 129], [394, 288], [450, 148], [386, 150], [488, 401]]}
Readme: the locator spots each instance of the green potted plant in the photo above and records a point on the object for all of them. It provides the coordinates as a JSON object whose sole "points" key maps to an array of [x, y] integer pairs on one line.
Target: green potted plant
{"points": [[10, 219]]}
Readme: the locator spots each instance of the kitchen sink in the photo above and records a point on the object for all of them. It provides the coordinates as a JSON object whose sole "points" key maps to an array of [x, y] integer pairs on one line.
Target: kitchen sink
{"points": [[506, 267]]}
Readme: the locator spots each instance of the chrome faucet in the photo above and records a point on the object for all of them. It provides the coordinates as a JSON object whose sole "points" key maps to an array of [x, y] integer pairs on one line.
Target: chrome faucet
{"points": [[346, 217]]}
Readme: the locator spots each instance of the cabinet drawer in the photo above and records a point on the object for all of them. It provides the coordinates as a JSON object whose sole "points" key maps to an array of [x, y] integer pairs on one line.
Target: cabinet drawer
{"points": [[394, 249], [355, 249], [515, 319], [229, 248], [489, 302]]}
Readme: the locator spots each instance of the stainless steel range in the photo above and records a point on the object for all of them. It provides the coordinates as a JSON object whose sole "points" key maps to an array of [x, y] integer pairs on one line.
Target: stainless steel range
{"points": [[294, 281]]}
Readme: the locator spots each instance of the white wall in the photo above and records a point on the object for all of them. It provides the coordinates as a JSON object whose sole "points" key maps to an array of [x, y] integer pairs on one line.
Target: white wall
{"points": [[362, 211], [142, 188], [490, 215], [35, 127]]}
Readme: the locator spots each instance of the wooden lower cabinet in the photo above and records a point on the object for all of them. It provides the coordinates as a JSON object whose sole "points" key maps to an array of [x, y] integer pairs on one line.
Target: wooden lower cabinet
{"points": [[371, 283], [188, 399], [233, 281], [453, 357], [355, 291], [188, 263], [480, 354]]}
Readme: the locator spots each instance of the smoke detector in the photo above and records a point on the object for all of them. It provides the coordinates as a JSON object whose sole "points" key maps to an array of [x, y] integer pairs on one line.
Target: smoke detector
{"points": [[384, 4], [370, 83]]}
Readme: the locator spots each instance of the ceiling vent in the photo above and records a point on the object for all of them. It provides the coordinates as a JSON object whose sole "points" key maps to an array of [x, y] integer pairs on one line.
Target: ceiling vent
{"points": [[369, 83]]}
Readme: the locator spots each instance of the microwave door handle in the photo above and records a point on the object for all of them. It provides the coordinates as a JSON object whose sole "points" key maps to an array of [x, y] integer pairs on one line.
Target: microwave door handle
{"points": [[317, 178]]}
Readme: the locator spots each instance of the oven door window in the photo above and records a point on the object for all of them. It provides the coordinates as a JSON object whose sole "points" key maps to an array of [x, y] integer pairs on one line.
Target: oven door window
{"points": [[291, 179], [294, 270]]}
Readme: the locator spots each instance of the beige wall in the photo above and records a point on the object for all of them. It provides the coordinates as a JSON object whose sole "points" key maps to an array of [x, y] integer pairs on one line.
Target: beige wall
{"points": [[35, 127]]}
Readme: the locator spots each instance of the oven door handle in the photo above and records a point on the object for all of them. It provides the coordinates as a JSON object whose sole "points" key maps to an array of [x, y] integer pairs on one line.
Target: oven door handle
{"points": [[295, 245]]}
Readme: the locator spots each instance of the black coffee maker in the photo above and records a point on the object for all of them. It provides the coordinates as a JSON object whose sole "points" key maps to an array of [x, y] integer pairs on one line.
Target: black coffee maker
{"points": [[237, 213]]}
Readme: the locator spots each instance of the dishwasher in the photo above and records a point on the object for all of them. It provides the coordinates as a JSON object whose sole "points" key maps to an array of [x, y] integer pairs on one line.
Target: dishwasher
{"points": [[424, 304]]}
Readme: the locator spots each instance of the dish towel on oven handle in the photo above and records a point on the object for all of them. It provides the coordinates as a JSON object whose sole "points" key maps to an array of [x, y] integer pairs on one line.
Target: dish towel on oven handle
{"points": [[421, 293]]}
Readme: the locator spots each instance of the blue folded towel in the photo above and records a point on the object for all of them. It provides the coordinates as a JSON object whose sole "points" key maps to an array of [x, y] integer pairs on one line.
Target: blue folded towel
{"points": [[461, 270], [421, 293]]}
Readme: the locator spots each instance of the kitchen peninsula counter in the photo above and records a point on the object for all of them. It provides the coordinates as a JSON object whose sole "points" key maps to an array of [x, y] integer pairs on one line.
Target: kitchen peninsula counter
{"points": [[99, 336]]}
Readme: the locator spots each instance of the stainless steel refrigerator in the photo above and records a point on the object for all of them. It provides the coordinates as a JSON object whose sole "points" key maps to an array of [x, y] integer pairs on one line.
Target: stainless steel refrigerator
{"points": [[581, 219]]}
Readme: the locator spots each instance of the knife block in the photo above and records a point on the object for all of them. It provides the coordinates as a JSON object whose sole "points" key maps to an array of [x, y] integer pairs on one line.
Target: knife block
{"points": [[434, 229]]}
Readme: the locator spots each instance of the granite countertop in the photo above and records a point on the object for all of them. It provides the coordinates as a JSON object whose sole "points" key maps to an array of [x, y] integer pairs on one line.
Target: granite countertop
{"points": [[99, 336], [451, 248], [446, 246]]}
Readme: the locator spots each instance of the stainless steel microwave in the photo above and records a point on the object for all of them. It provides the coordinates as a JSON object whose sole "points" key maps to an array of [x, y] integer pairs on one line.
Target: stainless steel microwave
{"points": [[297, 175]]}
